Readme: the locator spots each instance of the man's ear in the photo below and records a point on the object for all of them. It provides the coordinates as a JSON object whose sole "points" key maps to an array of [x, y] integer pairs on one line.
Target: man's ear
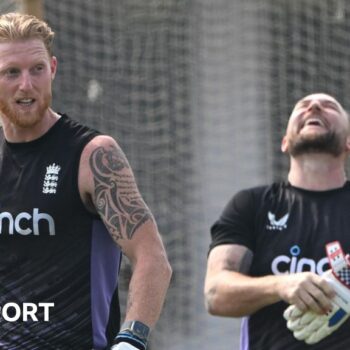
{"points": [[284, 144], [53, 66], [347, 145]]}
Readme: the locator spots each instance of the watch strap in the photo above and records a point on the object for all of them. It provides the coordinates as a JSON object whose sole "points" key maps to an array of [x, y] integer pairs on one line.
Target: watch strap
{"points": [[137, 328]]}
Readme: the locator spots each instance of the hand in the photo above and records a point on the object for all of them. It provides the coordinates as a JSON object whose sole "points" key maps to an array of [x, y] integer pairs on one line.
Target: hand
{"points": [[123, 346], [307, 291], [313, 327]]}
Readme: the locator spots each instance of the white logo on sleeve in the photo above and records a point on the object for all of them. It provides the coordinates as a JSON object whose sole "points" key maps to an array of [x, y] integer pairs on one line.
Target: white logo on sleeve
{"points": [[51, 179], [275, 224]]}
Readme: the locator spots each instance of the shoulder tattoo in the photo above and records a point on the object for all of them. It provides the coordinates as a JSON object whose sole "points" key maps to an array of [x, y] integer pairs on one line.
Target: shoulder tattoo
{"points": [[116, 195]]}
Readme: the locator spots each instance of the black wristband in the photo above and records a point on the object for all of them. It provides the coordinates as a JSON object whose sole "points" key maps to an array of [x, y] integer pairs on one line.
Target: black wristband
{"points": [[135, 333], [127, 337]]}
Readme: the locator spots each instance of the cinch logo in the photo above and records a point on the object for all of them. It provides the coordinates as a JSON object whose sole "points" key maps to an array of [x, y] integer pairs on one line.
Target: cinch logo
{"points": [[277, 224], [284, 264], [25, 223]]}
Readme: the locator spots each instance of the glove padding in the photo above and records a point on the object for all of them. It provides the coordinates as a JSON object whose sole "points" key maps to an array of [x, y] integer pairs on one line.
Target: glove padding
{"points": [[123, 346], [312, 327]]}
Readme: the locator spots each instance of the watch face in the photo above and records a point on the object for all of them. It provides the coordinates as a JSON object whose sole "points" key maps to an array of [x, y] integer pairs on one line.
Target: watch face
{"points": [[137, 328], [141, 329]]}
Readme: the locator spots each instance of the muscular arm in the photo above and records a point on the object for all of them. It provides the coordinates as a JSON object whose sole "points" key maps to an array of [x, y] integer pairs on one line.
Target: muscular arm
{"points": [[107, 185], [229, 291]]}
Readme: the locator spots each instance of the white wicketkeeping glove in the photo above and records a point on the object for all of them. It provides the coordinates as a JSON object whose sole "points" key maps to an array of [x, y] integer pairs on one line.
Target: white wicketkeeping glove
{"points": [[312, 327], [123, 346]]}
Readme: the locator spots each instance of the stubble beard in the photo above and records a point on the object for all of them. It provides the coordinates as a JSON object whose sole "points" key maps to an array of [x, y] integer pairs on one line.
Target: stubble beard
{"points": [[328, 143]]}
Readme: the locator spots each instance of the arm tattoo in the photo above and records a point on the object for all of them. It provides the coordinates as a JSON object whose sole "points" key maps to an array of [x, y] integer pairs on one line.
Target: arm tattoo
{"points": [[238, 262], [116, 196]]}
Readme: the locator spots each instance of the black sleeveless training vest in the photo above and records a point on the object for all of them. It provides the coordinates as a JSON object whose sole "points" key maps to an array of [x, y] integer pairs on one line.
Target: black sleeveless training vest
{"points": [[58, 264]]}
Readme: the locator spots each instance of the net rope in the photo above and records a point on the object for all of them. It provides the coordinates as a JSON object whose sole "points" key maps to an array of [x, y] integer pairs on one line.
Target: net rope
{"points": [[198, 96]]}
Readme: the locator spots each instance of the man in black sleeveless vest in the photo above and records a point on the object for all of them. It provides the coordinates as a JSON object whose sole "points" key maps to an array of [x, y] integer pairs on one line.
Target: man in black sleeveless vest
{"points": [[268, 246], [69, 208]]}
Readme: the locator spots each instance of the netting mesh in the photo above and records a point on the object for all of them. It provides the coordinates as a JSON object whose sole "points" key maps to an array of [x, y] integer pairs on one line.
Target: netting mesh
{"points": [[309, 51], [198, 94], [8, 5]]}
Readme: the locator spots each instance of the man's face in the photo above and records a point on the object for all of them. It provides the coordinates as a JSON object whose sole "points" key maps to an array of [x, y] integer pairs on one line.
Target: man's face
{"points": [[318, 124], [26, 74]]}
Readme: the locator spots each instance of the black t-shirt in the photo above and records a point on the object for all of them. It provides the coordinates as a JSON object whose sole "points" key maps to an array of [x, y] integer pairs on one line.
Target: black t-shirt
{"points": [[287, 229], [52, 250]]}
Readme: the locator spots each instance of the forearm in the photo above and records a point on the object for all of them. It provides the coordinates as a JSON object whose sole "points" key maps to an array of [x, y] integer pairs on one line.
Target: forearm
{"points": [[233, 294], [147, 289]]}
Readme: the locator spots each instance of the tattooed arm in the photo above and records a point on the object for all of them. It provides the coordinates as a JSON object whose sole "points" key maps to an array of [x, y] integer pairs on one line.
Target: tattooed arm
{"points": [[229, 291], [108, 187]]}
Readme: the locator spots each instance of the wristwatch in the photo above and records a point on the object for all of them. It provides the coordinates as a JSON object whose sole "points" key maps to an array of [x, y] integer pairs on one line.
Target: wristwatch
{"points": [[136, 328]]}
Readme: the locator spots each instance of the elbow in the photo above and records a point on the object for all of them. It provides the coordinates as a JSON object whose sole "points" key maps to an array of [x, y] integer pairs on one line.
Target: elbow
{"points": [[218, 304], [213, 303], [214, 307], [211, 307], [218, 308]]}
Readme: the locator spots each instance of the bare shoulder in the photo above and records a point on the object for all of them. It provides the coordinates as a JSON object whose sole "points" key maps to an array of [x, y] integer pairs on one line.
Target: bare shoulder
{"points": [[102, 156], [232, 257], [99, 141], [99, 145], [106, 181]]}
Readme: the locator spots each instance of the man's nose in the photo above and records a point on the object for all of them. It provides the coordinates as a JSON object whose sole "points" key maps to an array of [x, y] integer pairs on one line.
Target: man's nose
{"points": [[315, 106], [26, 81]]}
